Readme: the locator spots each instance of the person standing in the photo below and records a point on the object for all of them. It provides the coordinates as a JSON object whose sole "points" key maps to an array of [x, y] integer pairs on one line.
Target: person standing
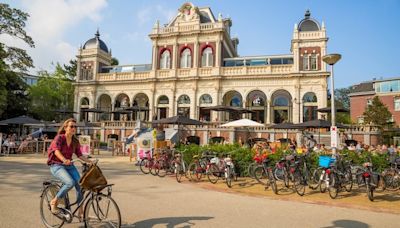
{"points": [[60, 152]]}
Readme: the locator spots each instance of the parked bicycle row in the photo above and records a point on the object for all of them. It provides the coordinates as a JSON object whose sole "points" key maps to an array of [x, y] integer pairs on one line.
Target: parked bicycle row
{"points": [[334, 174]]}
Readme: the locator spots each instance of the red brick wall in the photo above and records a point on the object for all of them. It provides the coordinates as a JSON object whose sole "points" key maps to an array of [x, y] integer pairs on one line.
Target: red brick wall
{"points": [[310, 50], [358, 105], [388, 100]]}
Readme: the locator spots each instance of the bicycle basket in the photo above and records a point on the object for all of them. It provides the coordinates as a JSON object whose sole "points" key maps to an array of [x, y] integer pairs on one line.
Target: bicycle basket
{"points": [[92, 178], [325, 161], [214, 160]]}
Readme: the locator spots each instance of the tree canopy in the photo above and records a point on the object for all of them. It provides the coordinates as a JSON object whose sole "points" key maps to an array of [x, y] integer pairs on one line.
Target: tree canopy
{"points": [[53, 91], [13, 97], [377, 113]]}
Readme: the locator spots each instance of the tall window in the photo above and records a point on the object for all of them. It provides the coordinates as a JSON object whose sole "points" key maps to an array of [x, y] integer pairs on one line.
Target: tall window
{"points": [[207, 58], [306, 64], [313, 62], [165, 62], [310, 106], [186, 58], [397, 104]]}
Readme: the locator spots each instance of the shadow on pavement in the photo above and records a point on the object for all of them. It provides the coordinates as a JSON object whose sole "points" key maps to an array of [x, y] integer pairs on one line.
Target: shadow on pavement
{"points": [[347, 223], [169, 222]]}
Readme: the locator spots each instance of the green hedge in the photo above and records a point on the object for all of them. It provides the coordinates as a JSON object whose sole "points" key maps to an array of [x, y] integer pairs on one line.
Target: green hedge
{"points": [[243, 156]]}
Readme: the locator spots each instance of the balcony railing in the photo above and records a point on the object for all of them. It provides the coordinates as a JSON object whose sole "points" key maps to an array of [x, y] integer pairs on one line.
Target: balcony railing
{"points": [[188, 28]]}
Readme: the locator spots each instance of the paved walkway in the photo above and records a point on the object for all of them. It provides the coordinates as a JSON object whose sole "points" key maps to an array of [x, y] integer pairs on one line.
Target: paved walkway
{"points": [[148, 201]]}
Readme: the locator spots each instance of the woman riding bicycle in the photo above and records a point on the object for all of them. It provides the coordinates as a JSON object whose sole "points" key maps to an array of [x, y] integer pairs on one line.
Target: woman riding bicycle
{"points": [[59, 159]]}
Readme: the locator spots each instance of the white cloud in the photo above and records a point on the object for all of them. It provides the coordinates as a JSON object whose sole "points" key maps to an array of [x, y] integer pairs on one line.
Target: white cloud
{"points": [[153, 13], [47, 25]]}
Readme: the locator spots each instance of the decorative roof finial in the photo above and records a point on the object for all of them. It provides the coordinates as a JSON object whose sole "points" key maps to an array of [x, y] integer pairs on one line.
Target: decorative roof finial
{"points": [[307, 14], [97, 34], [220, 17]]}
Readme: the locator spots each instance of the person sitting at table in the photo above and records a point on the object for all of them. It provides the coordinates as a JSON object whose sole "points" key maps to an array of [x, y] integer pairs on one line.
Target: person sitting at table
{"points": [[24, 144]]}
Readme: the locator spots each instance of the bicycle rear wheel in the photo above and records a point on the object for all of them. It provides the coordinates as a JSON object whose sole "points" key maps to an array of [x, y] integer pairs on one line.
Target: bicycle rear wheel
{"points": [[260, 175], [195, 172], [213, 173], [102, 211], [145, 165], [334, 185], [299, 183], [48, 218]]}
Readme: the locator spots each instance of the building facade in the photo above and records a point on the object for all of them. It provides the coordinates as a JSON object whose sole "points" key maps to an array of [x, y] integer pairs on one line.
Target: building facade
{"points": [[388, 91], [195, 64]]}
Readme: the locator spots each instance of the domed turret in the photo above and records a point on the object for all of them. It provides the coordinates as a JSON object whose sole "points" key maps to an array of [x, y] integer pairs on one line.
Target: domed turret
{"points": [[96, 42], [308, 24]]}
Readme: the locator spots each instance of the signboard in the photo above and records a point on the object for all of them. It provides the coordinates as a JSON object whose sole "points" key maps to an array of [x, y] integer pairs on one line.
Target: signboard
{"points": [[84, 140], [334, 138], [144, 147]]}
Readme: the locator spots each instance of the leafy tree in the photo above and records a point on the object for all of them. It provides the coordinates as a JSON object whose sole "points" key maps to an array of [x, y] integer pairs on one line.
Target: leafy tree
{"points": [[377, 113], [70, 69], [114, 61], [342, 97], [53, 91], [17, 100], [12, 23]]}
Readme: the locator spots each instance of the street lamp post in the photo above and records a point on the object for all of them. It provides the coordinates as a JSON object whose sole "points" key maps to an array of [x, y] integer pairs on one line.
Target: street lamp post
{"points": [[331, 59]]}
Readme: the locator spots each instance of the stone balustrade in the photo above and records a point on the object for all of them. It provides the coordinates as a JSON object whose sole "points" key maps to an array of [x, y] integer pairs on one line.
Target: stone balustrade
{"points": [[193, 72], [188, 28]]}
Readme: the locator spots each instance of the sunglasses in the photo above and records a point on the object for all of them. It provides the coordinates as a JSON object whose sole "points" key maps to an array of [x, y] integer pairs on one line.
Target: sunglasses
{"points": [[73, 126]]}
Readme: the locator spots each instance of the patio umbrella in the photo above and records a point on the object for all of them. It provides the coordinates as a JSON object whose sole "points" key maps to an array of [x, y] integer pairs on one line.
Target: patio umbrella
{"points": [[318, 124], [179, 120], [37, 134], [329, 110], [95, 110], [20, 120], [243, 123], [223, 108]]}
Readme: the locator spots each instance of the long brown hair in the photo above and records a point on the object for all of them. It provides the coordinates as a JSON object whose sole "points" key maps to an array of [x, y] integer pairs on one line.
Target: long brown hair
{"points": [[61, 130]]}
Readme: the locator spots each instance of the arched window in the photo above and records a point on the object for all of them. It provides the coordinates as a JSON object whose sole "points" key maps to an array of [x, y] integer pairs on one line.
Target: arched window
{"points": [[184, 99], [165, 61], [207, 57], [163, 100], [205, 99], [281, 101], [186, 58], [310, 106]]}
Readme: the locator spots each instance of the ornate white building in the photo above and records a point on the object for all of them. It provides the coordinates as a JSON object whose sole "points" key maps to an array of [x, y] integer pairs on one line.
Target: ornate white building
{"points": [[195, 64]]}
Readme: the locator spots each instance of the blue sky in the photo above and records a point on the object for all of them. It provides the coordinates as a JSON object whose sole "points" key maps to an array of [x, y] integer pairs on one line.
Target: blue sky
{"points": [[366, 32]]}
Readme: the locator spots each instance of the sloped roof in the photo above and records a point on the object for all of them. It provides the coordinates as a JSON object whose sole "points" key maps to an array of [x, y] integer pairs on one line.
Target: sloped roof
{"points": [[363, 87]]}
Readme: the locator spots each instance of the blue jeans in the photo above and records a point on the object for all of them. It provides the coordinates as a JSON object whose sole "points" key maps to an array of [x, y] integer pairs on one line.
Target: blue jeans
{"points": [[69, 176]]}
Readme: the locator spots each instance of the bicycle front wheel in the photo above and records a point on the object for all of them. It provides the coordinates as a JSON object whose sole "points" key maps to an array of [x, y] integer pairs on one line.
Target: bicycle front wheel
{"points": [[48, 218], [102, 211]]}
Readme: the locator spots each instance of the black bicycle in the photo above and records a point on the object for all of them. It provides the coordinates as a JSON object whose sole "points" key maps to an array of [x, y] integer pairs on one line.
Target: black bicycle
{"points": [[100, 209]]}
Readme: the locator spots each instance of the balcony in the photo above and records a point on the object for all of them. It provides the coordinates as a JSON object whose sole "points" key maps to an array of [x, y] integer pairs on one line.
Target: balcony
{"points": [[188, 28], [123, 76]]}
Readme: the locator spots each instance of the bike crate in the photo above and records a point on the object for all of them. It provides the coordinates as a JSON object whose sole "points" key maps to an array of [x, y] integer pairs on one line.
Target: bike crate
{"points": [[325, 161]]}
